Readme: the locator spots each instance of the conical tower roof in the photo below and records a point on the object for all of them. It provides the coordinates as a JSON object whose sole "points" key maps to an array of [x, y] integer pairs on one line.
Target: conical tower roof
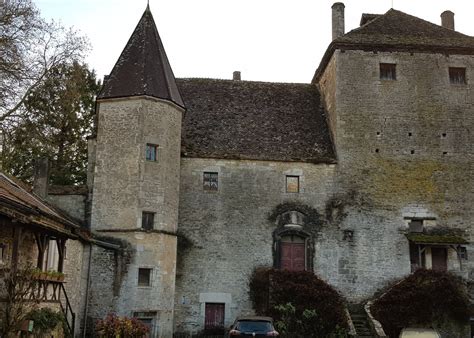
{"points": [[143, 67]]}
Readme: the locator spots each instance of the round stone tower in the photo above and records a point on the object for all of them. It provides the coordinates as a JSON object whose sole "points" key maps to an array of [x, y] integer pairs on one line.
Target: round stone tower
{"points": [[136, 183]]}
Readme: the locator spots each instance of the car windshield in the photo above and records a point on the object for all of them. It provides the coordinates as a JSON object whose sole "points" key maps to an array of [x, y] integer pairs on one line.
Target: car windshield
{"points": [[254, 326]]}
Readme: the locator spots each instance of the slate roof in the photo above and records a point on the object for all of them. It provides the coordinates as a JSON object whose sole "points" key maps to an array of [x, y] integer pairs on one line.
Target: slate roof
{"points": [[398, 31], [230, 119], [143, 67], [15, 198]]}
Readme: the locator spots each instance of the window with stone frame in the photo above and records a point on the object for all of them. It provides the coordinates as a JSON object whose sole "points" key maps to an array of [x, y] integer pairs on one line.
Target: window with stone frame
{"points": [[144, 276], [388, 71], [151, 153], [457, 75], [148, 220], [210, 181], [292, 184]]}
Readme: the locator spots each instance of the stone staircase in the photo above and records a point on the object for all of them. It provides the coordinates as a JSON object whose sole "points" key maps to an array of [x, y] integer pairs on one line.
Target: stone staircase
{"points": [[360, 321]]}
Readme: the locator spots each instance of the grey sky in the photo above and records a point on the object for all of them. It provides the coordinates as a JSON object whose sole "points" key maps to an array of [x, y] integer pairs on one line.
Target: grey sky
{"points": [[268, 40]]}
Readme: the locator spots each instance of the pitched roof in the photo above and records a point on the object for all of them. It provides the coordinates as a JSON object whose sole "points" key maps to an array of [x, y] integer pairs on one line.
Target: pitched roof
{"points": [[230, 119], [143, 67], [16, 199], [398, 31]]}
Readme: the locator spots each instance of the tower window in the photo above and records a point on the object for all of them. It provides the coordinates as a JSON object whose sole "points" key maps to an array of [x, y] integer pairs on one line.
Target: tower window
{"points": [[388, 71], [148, 220], [210, 181], [144, 277], [457, 75], [151, 152], [292, 184]]}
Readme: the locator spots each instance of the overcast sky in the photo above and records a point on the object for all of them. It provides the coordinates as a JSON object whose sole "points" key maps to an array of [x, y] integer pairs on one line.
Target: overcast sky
{"points": [[267, 40]]}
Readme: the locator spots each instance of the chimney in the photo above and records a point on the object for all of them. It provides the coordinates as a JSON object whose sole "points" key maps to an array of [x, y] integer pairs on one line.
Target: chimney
{"points": [[236, 76], [447, 19], [337, 20], [41, 177]]}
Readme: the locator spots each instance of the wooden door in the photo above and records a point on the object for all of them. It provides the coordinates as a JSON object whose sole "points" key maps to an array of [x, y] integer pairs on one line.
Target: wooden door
{"points": [[439, 258], [214, 316], [292, 256]]}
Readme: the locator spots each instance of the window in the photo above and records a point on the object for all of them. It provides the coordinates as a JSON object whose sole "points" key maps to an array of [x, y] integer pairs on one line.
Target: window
{"points": [[214, 316], [51, 257], [210, 181], [457, 75], [148, 220], [151, 152], [144, 277], [292, 184], [388, 71]]}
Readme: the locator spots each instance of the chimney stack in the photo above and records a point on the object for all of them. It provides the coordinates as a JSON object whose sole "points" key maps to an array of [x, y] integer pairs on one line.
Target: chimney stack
{"points": [[447, 19], [41, 177], [236, 76], [337, 20]]}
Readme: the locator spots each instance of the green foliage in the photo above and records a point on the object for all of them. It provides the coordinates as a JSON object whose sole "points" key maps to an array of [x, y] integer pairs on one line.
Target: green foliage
{"points": [[59, 116], [45, 320], [421, 299], [120, 327], [300, 303]]}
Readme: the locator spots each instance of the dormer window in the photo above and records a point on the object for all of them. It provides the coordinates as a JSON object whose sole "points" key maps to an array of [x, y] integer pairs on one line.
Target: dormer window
{"points": [[457, 75], [388, 71]]}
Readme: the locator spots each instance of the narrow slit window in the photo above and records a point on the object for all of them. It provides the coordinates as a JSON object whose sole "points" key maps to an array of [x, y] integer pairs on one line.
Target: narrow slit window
{"points": [[388, 71], [148, 220], [292, 184], [457, 75], [210, 181], [151, 152], [144, 277]]}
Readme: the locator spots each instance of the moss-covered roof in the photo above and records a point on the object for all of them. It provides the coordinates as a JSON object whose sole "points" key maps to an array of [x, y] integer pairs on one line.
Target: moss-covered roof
{"points": [[422, 238]]}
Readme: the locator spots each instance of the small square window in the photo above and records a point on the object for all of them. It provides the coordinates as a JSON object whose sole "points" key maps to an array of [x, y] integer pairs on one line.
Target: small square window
{"points": [[148, 220], [151, 152], [144, 277], [210, 181], [457, 75], [415, 225], [388, 71], [292, 184]]}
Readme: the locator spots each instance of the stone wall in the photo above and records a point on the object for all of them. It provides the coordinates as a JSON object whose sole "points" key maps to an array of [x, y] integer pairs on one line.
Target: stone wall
{"points": [[405, 147], [230, 232]]}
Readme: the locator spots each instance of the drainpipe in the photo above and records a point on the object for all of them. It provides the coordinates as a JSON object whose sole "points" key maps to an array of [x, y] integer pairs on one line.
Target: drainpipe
{"points": [[84, 325]]}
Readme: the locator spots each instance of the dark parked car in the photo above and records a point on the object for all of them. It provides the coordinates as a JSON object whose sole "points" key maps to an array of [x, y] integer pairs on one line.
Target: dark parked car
{"points": [[253, 326]]}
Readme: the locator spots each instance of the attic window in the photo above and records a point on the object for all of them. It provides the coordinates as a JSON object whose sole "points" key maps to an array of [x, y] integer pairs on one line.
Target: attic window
{"points": [[388, 71], [457, 75]]}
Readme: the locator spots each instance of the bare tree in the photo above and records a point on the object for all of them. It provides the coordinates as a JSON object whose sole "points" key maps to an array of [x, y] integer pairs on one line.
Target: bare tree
{"points": [[29, 48]]}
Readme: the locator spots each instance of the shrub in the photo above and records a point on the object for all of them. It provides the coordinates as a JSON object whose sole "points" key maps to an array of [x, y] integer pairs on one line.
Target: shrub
{"points": [[423, 298], [300, 302], [45, 320], [120, 327]]}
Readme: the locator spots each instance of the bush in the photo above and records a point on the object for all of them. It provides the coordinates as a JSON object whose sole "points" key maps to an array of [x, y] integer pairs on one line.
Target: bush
{"points": [[45, 320], [120, 327], [300, 303], [424, 298]]}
